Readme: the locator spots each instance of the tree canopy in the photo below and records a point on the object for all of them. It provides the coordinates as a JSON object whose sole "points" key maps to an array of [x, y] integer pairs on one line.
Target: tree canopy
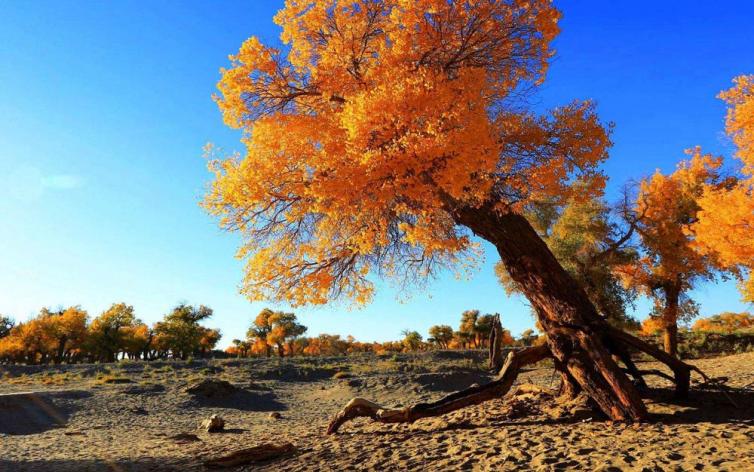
{"points": [[375, 123], [725, 225]]}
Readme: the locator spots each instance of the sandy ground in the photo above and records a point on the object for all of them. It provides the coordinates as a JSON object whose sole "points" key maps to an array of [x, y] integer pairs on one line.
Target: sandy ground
{"points": [[79, 423]]}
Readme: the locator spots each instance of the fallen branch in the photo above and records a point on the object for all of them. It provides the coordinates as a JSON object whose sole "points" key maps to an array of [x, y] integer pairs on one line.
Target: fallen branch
{"points": [[360, 407]]}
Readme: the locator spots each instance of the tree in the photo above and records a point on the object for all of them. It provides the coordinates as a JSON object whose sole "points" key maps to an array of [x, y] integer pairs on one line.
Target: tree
{"points": [[725, 225], [285, 329], [383, 137], [670, 264], [468, 327], [260, 329], [106, 333], [527, 337], [441, 335], [180, 330], [66, 329], [412, 340]]}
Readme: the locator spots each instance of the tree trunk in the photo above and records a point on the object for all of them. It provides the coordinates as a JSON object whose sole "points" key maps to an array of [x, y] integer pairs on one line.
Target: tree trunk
{"points": [[573, 328], [670, 321], [496, 345], [581, 343]]}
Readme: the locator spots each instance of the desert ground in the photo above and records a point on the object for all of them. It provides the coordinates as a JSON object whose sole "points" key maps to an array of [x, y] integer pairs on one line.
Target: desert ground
{"points": [[139, 416]]}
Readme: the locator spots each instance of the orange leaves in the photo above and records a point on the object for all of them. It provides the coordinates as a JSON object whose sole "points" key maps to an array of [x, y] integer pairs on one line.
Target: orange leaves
{"points": [[379, 119], [726, 220], [740, 120], [726, 322]]}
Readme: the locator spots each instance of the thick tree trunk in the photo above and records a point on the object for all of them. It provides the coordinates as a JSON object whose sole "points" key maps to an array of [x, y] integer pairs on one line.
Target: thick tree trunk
{"points": [[670, 321], [581, 343], [571, 323]]}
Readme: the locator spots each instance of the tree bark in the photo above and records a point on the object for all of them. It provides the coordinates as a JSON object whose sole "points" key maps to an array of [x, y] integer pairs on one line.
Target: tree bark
{"points": [[573, 328], [581, 342], [670, 321], [496, 345]]}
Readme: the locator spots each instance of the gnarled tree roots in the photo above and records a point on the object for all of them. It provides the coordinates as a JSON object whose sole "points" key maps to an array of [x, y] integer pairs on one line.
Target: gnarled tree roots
{"points": [[616, 341]]}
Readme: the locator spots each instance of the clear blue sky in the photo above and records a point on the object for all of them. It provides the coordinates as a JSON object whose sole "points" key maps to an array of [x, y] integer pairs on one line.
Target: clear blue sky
{"points": [[105, 106]]}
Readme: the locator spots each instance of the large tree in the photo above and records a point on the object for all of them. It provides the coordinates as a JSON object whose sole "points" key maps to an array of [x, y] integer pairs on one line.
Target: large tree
{"points": [[382, 138]]}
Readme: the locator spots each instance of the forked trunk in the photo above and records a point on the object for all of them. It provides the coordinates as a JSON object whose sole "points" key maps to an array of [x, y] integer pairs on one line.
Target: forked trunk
{"points": [[573, 328]]}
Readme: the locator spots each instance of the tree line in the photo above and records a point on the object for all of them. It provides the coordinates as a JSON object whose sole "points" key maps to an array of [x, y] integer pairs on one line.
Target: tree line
{"points": [[66, 335]]}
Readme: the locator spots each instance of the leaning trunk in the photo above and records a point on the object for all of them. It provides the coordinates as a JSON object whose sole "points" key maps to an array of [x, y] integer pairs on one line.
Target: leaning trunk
{"points": [[573, 328]]}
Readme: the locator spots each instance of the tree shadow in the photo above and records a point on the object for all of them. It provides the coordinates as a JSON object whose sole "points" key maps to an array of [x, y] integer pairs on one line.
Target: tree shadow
{"points": [[35, 412], [707, 406], [240, 400]]}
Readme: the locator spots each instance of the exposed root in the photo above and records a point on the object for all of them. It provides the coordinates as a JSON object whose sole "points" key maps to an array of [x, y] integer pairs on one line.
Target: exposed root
{"points": [[359, 407], [681, 370]]}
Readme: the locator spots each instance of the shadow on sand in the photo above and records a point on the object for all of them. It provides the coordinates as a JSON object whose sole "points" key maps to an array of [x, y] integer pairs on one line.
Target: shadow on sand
{"points": [[241, 399], [35, 412]]}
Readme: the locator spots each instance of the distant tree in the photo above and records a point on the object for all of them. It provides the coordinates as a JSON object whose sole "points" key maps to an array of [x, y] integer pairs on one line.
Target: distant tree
{"points": [[66, 330], [726, 322], [107, 331], [670, 264], [260, 329], [208, 340], [180, 329], [527, 337], [468, 327], [483, 328], [412, 340], [441, 335], [285, 329]]}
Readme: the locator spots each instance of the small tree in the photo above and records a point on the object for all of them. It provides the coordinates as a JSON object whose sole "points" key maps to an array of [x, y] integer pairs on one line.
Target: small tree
{"points": [[285, 329], [180, 330], [260, 329], [441, 335], [412, 340]]}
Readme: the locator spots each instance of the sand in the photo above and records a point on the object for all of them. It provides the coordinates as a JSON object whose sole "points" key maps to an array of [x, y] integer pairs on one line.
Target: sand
{"points": [[151, 423]]}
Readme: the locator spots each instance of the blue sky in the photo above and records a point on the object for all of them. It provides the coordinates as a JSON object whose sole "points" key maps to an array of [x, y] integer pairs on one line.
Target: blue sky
{"points": [[105, 106]]}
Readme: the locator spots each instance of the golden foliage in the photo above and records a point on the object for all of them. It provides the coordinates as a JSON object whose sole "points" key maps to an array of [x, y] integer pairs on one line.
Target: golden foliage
{"points": [[379, 118], [726, 221]]}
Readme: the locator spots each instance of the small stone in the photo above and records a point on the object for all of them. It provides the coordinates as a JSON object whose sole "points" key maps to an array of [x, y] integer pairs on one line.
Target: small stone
{"points": [[275, 415], [213, 424]]}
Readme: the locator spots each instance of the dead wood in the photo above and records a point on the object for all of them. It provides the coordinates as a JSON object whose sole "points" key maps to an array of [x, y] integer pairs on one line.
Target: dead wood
{"points": [[260, 453], [360, 407]]}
